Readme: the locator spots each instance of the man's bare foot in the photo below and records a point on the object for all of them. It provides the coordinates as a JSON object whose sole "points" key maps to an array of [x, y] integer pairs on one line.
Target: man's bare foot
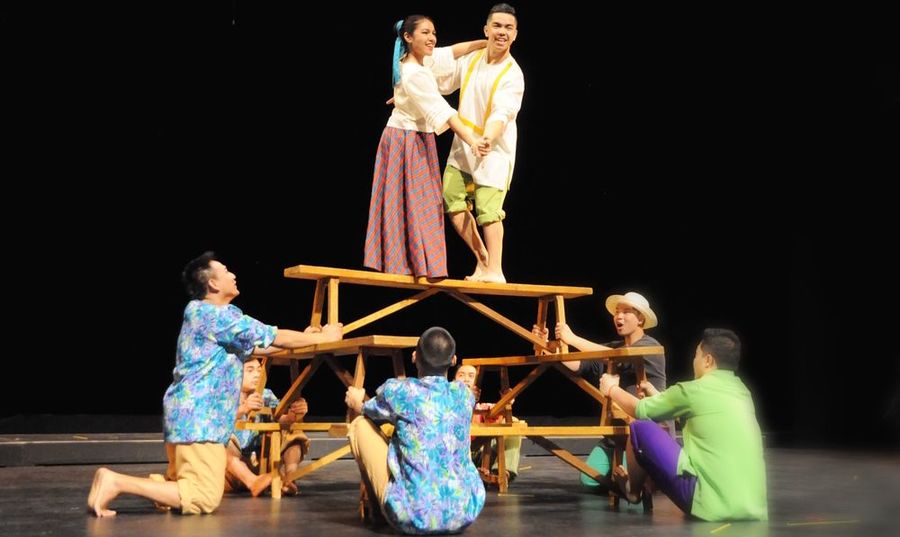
{"points": [[103, 491], [289, 488], [491, 277], [261, 483], [92, 495], [620, 477], [369, 511]]}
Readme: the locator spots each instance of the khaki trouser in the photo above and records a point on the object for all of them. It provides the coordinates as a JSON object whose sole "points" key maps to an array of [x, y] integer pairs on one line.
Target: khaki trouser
{"points": [[370, 448], [199, 469]]}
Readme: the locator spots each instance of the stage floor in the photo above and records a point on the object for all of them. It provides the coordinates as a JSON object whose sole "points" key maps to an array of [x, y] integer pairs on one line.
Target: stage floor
{"points": [[810, 493]]}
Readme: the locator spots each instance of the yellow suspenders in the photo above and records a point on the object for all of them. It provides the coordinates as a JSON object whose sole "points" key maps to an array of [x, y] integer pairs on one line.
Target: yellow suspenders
{"points": [[479, 129]]}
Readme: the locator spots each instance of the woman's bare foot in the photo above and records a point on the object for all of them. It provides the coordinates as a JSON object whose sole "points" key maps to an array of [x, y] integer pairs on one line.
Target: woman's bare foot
{"points": [[620, 477], [260, 484], [103, 491]]}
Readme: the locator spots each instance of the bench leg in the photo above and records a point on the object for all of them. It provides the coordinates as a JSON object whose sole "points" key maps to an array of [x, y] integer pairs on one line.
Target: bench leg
{"points": [[502, 476], [275, 463]]}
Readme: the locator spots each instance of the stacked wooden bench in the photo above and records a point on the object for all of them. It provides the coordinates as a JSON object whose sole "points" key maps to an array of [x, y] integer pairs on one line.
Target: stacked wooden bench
{"points": [[314, 357], [547, 355], [541, 363]]}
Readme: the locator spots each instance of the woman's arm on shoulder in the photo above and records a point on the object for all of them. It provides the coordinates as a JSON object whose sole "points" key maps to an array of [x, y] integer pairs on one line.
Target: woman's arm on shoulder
{"points": [[461, 49]]}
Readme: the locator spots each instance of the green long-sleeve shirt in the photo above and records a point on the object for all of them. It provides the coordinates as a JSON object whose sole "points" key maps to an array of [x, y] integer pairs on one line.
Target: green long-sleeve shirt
{"points": [[722, 444]]}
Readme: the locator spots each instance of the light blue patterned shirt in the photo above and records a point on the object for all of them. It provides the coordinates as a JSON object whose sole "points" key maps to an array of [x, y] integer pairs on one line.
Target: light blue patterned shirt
{"points": [[434, 487], [245, 437], [201, 403]]}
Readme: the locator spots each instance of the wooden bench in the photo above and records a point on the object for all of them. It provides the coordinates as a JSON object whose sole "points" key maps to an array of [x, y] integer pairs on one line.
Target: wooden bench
{"points": [[543, 363], [317, 355], [329, 279], [325, 309]]}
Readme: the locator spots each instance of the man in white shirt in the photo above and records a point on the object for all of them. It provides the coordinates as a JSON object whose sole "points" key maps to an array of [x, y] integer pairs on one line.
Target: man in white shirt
{"points": [[491, 86]]}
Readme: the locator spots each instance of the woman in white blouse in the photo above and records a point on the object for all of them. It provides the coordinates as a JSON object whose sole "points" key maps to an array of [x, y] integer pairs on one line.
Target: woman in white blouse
{"points": [[406, 223]]}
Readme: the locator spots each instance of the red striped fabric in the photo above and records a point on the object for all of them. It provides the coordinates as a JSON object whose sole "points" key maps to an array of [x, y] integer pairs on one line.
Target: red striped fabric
{"points": [[406, 218]]}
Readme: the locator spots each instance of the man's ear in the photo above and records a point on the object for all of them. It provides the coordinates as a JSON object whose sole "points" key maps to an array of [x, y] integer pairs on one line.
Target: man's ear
{"points": [[414, 357], [453, 361]]}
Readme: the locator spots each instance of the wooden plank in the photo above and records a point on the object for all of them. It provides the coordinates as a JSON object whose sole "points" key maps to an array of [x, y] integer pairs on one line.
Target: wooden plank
{"points": [[640, 374], [243, 425], [333, 284], [393, 308], [582, 383], [339, 430], [274, 460], [346, 347], [560, 304], [263, 374], [296, 388], [499, 319], [504, 387], [502, 479], [606, 411], [320, 426], [572, 460], [341, 373], [359, 380], [377, 279], [549, 430], [315, 465], [318, 304], [541, 321], [486, 459], [507, 397], [399, 366], [359, 373], [623, 354], [265, 442]]}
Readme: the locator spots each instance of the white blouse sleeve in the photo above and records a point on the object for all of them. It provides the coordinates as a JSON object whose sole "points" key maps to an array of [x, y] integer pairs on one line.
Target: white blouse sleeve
{"points": [[442, 62], [423, 94], [446, 70]]}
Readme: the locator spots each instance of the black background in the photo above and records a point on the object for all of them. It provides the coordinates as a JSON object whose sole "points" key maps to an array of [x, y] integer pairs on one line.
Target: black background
{"points": [[731, 164]]}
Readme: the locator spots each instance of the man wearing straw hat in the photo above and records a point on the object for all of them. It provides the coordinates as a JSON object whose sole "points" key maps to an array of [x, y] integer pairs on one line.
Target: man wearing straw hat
{"points": [[632, 315]]}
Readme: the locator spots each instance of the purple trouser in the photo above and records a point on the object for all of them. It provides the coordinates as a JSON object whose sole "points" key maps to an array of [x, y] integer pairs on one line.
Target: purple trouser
{"points": [[657, 453]]}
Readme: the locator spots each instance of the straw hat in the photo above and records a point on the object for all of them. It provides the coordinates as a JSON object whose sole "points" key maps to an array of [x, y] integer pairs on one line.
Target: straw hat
{"points": [[636, 301]]}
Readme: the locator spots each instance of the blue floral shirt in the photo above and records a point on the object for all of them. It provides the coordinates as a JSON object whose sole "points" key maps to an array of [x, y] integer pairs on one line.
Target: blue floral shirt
{"points": [[434, 486], [201, 403], [245, 437]]}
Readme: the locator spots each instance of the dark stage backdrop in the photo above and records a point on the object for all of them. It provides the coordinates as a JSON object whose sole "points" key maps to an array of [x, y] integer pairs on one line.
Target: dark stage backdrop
{"points": [[729, 164]]}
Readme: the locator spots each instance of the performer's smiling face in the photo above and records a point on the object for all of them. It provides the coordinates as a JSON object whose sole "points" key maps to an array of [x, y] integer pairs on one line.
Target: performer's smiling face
{"points": [[501, 30], [423, 39]]}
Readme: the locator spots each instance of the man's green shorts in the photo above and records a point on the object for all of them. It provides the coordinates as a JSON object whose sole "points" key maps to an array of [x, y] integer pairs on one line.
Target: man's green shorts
{"points": [[460, 191]]}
